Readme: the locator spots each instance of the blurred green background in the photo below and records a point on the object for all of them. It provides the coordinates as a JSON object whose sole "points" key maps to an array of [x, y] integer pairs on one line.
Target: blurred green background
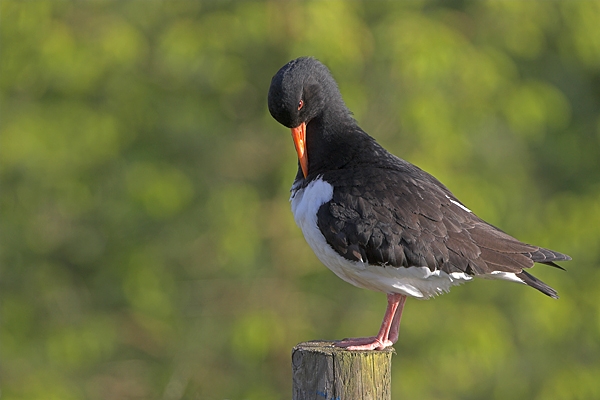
{"points": [[147, 246]]}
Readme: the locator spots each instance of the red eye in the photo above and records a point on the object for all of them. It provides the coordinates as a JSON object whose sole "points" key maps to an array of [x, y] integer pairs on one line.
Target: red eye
{"points": [[300, 105]]}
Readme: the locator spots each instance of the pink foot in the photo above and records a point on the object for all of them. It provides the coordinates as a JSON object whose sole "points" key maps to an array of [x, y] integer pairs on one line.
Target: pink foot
{"points": [[366, 343]]}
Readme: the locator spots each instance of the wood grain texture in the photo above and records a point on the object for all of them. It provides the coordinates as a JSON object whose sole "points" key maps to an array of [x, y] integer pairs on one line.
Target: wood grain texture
{"points": [[322, 371]]}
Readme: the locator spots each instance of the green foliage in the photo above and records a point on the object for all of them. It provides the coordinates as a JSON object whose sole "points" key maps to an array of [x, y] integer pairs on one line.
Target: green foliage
{"points": [[147, 247]]}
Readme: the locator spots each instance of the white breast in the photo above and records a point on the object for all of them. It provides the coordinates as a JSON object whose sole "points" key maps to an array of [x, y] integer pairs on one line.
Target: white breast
{"points": [[415, 281]]}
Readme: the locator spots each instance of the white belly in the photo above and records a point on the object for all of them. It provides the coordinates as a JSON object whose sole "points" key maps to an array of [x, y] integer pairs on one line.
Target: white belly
{"points": [[415, 281]]}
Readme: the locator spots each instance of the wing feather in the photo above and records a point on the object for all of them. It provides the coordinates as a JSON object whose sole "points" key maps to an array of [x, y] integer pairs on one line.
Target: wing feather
{"points": [[384, 217]]}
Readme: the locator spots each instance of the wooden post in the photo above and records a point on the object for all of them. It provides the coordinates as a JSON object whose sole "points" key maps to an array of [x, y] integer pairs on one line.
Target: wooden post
{"points": [[322, 371]]}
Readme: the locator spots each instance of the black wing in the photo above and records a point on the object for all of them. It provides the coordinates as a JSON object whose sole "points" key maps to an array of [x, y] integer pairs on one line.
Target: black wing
{"points": [[408, 218]]}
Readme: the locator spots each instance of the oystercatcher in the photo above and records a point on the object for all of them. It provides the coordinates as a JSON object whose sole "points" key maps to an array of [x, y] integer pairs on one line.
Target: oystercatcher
{"points": [[377, 221]]}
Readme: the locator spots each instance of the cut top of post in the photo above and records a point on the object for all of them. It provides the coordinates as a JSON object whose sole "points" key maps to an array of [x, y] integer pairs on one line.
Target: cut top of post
{"points": [[322, 371]]}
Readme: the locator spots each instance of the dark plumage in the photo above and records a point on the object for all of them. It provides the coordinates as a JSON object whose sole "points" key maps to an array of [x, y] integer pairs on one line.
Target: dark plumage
{"points": [[381, 222]]}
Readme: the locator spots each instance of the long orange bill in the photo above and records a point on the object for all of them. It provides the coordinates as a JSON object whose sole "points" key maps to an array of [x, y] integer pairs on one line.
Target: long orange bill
{"points": [[299, 136]]}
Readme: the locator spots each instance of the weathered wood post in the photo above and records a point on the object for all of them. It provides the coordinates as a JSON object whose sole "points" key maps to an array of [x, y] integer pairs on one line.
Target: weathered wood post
{"points": [[322, 371]]}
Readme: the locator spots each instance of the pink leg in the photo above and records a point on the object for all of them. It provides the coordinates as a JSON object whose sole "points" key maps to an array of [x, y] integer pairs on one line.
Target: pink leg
{"points": [[395, 329], [388, 333]]}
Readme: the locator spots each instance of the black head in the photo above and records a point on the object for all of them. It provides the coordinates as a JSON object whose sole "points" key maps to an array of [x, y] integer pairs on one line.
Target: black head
{"points": [[300, 90]]}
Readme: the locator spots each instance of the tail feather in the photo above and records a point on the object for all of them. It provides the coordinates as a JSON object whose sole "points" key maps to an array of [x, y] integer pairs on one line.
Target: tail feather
{"points": [[552, 264], [534, 282]]}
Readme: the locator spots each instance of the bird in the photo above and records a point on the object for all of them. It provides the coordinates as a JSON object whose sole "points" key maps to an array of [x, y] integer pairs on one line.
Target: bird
{"points": [[377, 221]]}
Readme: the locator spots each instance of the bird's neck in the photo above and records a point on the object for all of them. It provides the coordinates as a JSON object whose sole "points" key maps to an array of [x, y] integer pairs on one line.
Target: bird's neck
{"points": [[335, 141]]}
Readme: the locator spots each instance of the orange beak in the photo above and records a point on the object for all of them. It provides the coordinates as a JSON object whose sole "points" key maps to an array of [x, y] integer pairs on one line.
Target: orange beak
{"points": [[299, 136]]}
